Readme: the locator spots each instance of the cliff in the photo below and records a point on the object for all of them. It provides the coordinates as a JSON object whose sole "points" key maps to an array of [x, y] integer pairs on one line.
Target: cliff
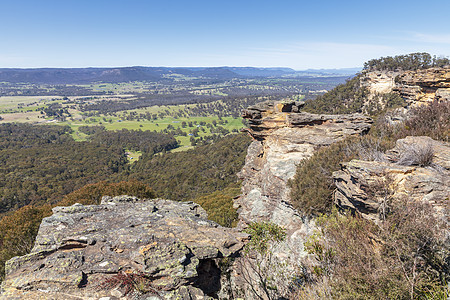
{"points": [[283, 137], [161, 248], [415, 87], [127, 248]]}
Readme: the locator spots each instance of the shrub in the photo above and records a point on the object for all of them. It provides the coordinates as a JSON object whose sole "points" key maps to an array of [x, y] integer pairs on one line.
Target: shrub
{"points": [[312, 187], [416, 155], [265, 276], [404, 257], [431, 120], [129, 282]]}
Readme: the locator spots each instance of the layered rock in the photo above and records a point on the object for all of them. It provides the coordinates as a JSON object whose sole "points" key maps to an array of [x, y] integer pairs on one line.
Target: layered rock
{"points": [[79, 249], [364, 186], [283, 137], [379, 81], [416, 87], [424, 85]]}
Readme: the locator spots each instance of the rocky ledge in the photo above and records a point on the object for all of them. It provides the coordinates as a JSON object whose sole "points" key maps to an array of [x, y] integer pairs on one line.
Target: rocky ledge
{"points": [[83, 252], [363, 186]]}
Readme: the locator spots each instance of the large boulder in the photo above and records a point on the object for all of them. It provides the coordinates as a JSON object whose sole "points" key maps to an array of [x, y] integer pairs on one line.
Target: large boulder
{"points": [[84, 251]]}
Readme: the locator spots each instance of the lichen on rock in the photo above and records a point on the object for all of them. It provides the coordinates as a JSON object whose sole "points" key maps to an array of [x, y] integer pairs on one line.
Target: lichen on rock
{"points": [[80, 247]]}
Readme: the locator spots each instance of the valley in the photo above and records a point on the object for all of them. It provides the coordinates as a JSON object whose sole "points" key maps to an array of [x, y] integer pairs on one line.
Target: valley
{"points": [[190, 108]]}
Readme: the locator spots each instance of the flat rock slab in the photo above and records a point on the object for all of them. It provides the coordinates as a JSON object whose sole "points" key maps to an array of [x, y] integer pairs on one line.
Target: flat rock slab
{"points": [[79, 247]]}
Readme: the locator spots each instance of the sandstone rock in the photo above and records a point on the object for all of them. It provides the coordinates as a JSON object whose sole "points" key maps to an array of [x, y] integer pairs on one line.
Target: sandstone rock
{"points": [[379, 81], [416, 87], [79, 247], [284, 137], [357, 178]]}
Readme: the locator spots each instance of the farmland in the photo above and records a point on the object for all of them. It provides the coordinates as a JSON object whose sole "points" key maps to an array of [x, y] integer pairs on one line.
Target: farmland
{"points": [[193, 109]]}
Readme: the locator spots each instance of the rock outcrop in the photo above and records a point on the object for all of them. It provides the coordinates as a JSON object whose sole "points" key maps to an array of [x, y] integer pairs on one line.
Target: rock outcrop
{"points": [[379, 81], [80, 249], [364, 186], [283, 137], [424, 85], [416, 87]]}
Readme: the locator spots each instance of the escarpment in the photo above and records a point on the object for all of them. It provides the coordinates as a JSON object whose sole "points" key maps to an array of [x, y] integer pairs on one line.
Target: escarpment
{"points": [[159, 248], [129, 248], [283, 137], [416, 87]]}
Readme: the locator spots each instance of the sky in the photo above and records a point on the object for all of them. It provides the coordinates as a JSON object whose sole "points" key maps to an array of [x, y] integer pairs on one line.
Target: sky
{"points": [[297, 34]]}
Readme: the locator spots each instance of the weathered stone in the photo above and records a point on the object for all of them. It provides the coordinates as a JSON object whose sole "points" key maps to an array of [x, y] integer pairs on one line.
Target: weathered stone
{"points": [[79, 247], [379, 81], [416, 87], [430, 184], [283, 139]]}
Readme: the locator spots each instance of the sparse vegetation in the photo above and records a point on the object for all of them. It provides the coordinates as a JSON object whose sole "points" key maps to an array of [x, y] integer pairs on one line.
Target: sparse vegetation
{"points": [[431, 120], [129, 283], [266, 276], [401, 258], [416, 155]]}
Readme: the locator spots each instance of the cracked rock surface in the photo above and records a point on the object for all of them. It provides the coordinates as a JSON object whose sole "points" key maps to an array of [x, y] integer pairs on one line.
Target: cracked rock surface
{"points": [[79, 247]]}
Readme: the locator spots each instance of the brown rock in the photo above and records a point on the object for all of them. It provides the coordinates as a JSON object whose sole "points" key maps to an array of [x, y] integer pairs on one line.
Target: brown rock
{"points": [[357, 179], [283, 139]]}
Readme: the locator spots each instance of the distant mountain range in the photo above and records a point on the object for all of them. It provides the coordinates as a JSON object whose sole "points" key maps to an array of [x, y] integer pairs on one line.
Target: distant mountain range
{"points": [[124, 74]]}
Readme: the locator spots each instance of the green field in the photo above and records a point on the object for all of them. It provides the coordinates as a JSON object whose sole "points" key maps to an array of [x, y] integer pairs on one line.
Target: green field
{"points": [[26, 110]]}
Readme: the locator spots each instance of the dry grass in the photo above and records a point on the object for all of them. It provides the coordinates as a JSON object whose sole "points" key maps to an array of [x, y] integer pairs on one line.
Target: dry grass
{"points": [[416, 155]]}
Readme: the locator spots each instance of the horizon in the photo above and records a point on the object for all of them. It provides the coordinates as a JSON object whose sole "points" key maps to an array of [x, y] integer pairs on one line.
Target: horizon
{"points": [[261, 34], [183, 67]]}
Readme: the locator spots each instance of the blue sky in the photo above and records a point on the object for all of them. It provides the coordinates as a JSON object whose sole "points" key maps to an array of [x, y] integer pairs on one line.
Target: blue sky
{"points": [[298, 34]]}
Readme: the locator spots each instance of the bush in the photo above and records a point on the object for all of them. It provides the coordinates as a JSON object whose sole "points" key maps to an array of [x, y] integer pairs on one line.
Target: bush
{"points": [[264, 274], [416, 155], [313, 185], [129, 283], [431, 120], [402, 258]]}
